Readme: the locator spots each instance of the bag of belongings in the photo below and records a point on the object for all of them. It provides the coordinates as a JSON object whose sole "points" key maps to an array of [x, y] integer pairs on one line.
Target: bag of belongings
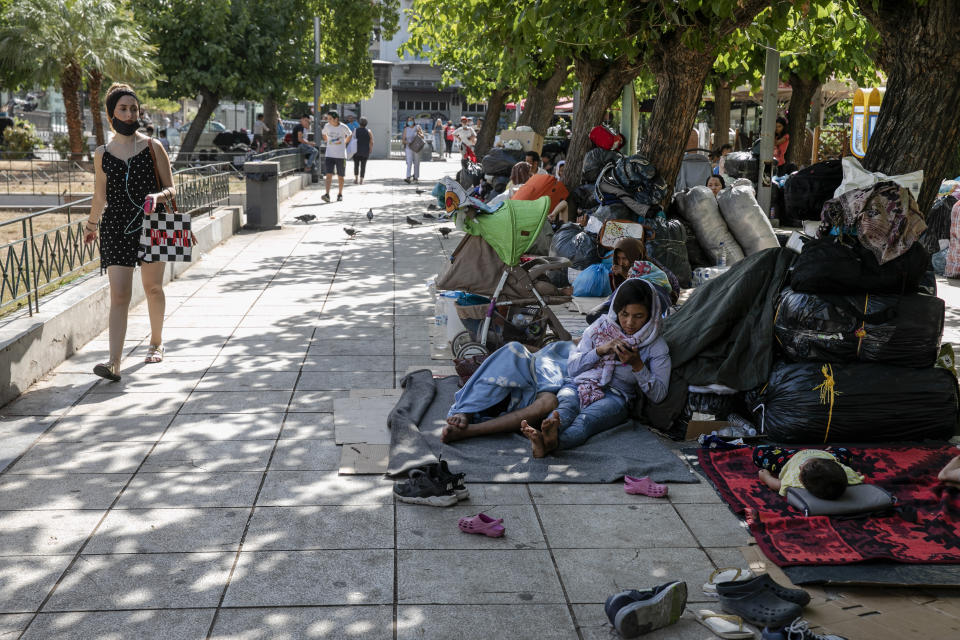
{"points": [[741, 164], [827, 266], [594, 161], [807, 190], [572, 242], [499, 162], [606, 138], [814, 402], [746, 220], [472, 177], [667, 242], [896, 330], [699, 207]]}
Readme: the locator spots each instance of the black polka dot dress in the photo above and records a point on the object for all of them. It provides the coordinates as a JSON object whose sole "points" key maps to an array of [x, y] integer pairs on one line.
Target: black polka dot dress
{"points": [[128, 183]]}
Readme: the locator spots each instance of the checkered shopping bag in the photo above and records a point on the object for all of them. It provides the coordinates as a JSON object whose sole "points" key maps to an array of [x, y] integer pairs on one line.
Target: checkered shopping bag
{"points": [[166, 237]]}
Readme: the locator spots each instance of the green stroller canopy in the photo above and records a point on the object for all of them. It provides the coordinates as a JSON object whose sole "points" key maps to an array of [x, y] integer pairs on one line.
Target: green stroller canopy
{"points": [[511, 229]]}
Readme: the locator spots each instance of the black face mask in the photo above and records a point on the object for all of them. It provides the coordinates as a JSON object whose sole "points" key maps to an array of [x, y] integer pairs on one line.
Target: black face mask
{"points": [[125, 128]]}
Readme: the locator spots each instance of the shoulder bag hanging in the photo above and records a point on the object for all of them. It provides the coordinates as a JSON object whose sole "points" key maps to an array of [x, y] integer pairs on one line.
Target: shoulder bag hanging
{"points": [[166, 234]]}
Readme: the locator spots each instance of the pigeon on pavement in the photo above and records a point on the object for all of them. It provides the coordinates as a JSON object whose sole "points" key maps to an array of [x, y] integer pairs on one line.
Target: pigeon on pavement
{"points": [[350, 232], [444, 231], [307, 217], [413, 222], [370, 215], [429, 216], [419, 191], [432, 207]]}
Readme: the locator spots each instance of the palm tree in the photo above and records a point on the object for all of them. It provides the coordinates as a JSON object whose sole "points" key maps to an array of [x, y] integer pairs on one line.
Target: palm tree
{"points": [[119, 50], [62, 38]]}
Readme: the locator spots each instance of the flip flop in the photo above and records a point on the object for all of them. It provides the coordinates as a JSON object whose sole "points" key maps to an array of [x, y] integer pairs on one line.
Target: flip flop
{"points": [[644, 486], [483, 525], [725, 574], [723, 626]]}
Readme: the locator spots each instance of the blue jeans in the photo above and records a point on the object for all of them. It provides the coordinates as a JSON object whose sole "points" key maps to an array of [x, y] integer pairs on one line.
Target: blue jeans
{"points": [[311, 153], [577, 425]]}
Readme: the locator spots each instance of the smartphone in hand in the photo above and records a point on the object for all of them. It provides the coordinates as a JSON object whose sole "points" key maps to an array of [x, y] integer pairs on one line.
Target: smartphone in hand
{"points": [[148, 205]]}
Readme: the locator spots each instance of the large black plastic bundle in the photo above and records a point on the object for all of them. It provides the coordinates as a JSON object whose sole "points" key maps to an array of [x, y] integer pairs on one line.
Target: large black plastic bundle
{"points": [[898, 330], [814, 402], [579, 246], [741, 164], [826, 266], [668, 244], [472, 177], [594, 161], [938, 224], [499, 162], [807, 190]]}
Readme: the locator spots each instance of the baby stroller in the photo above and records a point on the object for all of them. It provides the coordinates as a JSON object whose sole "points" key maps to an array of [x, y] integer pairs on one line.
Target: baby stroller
{"points": [[487, 262]]}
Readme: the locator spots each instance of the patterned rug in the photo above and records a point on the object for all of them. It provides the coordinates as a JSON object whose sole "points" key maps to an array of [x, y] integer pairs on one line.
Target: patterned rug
{"points": [[925, 529]]}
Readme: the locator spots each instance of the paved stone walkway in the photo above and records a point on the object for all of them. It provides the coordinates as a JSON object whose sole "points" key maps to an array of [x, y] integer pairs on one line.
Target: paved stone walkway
{"points": [[199, 498]]}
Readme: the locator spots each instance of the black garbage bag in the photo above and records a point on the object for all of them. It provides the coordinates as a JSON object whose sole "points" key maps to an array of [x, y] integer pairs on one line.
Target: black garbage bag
{"points": [[938, 224], [472, 177], [499, 162], [898, 330], [741, 164], [594, 161], [572, 242], [814, 403], [807, 190], [667, 242], [826, 266], [710, 403], [614, 211]]}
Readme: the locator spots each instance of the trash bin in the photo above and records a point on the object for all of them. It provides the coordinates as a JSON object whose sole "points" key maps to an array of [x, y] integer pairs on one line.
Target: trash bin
{"points": [[426, 154], [262, 194]]}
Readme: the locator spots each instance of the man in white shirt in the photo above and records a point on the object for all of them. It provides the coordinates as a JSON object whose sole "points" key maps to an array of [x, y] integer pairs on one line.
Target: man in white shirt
{"points": [[533, 159], [259, 128], [468, 139], [337, 136]]}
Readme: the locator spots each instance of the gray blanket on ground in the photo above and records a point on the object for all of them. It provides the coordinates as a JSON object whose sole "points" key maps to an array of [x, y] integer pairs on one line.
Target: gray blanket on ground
{"points": [[420, 415]]}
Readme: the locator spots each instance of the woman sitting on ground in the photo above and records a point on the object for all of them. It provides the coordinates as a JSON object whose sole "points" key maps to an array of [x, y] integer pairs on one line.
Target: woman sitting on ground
{"points": [[520, 173], [630, 260], [619, 355]]}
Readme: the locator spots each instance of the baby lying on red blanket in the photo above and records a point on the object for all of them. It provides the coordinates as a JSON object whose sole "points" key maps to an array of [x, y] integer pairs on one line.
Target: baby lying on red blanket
{"points": [[823, 473]]}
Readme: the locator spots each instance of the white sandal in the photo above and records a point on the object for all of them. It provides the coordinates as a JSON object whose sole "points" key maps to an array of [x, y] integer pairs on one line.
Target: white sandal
{"points": [[154, 354], [725, 574], [723, 625]]}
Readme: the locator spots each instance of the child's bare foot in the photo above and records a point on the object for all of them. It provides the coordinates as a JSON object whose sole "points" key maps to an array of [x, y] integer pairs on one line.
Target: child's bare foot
{"points": [[550, 427], [951, 472], [536, 439]]}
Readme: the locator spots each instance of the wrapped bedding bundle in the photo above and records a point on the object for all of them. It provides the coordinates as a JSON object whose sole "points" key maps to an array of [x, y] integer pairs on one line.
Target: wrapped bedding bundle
{"points": [[814, 402], [746, 220], [898, 330], [700, 209], [668, 244]]}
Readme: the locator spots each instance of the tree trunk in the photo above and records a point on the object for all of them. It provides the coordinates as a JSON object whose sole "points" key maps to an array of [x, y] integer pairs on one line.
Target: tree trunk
{"points": [[208, 103], [917, 127], [491, 119], [542, 97], [722, 99], [601, 82], [271, 116], [681, 74], [70, 79], [96, 83], [802, 90]]}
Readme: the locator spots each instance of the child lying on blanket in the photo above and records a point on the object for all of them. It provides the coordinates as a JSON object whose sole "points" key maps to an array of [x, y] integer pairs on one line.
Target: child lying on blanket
{"points": [[823, 473], [619, 355]]}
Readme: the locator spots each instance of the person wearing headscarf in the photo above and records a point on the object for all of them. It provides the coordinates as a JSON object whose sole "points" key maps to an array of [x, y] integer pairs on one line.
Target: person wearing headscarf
{"points": [[519, 174], [627, 252], [620, 359]]}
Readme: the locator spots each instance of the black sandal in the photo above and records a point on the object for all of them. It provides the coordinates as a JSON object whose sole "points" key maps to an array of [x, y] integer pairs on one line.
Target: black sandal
{"points": [[763, 581], [762, 608], [108, 371]]}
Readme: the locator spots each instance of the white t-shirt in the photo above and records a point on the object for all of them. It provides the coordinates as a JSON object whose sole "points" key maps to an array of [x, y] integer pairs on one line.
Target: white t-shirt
{"points": [[464, 134], [259, 127], [336, 140]]}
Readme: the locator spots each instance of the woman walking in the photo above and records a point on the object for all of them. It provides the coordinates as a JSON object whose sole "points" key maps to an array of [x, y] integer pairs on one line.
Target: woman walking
{"points": [[364, 141], [411, 134], [126, 189]]}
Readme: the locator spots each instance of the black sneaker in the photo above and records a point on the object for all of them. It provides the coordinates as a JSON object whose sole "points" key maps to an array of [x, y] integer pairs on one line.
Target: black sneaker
{"points": [[325, 197], [450, 480], [424, 488], [407, 180], [339, 197]]}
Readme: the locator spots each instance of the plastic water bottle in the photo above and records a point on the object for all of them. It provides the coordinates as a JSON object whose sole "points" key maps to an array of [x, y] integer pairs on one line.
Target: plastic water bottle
{"points": [[721, 257]]}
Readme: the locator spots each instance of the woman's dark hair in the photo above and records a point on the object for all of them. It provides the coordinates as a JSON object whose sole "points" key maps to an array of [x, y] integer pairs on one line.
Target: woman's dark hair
{"points": [[633, 292], [725, 145], [723, 185], [116, 91], [784, 122], [362, 122]]}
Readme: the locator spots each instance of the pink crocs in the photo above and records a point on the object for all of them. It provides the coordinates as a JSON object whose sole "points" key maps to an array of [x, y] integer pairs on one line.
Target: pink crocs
{"points": [[482, 524], [644, 486]]}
